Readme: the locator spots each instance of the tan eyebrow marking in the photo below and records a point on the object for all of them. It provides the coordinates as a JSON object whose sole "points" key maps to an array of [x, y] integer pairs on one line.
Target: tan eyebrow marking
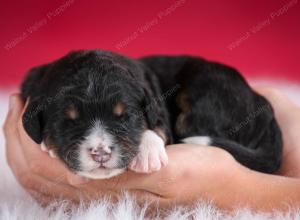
{"points": [[72, 112], [119, 109]]}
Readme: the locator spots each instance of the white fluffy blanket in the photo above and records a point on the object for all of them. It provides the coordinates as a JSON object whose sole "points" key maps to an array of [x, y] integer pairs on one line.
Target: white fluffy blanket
{"points": [[16, 204]]}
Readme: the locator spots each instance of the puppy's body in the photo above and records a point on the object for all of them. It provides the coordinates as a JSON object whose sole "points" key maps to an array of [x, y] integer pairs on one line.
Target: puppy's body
{"points": [[215, 106], [102, 112]]}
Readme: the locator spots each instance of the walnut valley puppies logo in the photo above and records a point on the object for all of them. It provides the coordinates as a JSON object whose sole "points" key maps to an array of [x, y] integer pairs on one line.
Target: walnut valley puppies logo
{"points": [[262, 24], [38, 24], [252, 116], [45, 102], [149, 24], [162, 97], [58, 11], [154, 102]]}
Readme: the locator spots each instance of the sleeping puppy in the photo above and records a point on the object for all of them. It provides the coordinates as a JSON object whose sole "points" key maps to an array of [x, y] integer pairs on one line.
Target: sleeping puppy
{"points": [[102, 113], [99, 113]]}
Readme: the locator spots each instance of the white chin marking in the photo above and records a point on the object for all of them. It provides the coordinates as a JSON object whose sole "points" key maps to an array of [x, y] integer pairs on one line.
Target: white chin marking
{"points": [[88, 167], [152, 154], [201, 140], [101, 173]]}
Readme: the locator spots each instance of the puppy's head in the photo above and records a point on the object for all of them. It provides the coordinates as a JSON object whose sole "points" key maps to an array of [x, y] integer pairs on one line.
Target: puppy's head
{"points": [[93, 120]]}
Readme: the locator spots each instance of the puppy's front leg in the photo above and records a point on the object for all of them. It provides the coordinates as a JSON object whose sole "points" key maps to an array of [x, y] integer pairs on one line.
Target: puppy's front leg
{"points": [[152, 154]]}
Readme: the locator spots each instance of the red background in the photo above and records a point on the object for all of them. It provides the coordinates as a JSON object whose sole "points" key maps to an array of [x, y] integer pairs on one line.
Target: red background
{"points": [[204, 28]]}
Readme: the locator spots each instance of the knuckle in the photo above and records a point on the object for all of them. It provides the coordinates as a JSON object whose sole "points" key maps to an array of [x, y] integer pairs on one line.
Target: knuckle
{"points": [[6, 129], [8, 125], [9, 131]]}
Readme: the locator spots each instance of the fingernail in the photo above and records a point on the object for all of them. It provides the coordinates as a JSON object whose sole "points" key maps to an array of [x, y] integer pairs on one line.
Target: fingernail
{"points": [[12, 102]]}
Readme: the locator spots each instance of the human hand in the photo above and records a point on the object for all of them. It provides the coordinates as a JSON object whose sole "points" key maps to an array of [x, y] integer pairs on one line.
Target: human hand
{"points": [[36, 171], [192, 168], [287, 115]]}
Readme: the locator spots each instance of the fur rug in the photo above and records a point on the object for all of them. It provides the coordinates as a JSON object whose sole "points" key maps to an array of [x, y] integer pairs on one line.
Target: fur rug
{"points": [[15, 204]]}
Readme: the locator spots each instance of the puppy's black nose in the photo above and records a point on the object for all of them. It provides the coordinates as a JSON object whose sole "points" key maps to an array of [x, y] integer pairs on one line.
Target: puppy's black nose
{"points": [[100, 154]]}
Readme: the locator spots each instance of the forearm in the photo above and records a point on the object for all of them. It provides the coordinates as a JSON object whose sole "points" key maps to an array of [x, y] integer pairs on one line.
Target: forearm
{"points": [[261, 192], [226, 184]]}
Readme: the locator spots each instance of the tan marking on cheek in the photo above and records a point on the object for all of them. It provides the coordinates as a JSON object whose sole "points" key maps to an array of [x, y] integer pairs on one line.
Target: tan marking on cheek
{"points": [[119, 109], [182, 101], [72, 112]]}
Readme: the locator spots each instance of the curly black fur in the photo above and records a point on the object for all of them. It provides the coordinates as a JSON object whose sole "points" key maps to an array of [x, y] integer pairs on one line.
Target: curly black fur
{"points": [[206, 99]]}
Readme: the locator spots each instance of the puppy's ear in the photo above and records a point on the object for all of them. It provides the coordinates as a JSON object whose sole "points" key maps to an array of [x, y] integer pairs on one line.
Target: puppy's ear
{"points": [[31, 87], [32, 120], [32, 81]]}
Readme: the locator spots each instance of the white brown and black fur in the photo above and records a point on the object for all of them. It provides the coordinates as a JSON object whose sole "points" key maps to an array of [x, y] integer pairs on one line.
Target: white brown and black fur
{"points": [[102, 112]]}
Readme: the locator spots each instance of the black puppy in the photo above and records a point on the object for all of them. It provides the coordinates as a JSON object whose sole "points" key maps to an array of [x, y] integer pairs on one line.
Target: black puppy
{"points": [[102, 113]]}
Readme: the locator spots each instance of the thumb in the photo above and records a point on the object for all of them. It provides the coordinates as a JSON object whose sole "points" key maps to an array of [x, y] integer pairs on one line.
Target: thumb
{"points": [[14, 113]]}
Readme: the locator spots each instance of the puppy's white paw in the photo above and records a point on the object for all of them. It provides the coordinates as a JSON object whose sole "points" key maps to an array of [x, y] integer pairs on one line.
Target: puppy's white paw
{"points": [[152, 155]]}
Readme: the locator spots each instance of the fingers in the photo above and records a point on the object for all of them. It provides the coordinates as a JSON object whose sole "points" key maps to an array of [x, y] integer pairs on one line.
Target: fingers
{"points": [[23, 155], [14, 154], [39, 162], [278, 100], [13, 115], [38, 172], [52, 189], [287, 113], [154, 182], [44, 177]]}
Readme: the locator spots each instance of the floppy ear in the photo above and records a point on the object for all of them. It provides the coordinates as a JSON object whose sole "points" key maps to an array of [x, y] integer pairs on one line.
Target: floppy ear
{"points": [[33, 114], [32, 119]]}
